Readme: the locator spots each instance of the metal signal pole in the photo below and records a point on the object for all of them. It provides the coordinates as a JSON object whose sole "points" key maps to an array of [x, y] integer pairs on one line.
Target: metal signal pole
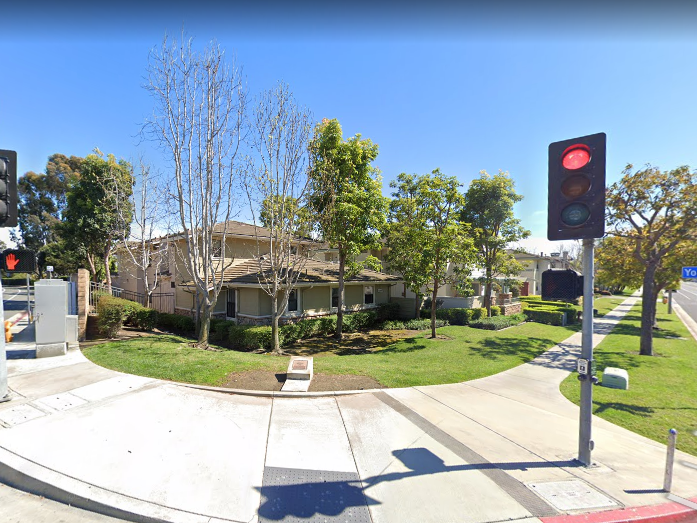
{"points": [[585, 441]]}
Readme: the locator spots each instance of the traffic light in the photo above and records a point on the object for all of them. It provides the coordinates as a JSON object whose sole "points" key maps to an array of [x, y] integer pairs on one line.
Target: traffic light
{"points": [[558, 284], [18, 260], [8, 188], [576, 188]]}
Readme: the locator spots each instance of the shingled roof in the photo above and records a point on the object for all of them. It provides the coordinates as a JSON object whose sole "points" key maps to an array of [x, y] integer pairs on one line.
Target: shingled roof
{"points": [[313, 272]]}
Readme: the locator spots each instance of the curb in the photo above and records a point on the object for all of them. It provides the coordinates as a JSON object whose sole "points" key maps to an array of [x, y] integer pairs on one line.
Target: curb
{"points": [[279, 394], [28, 476], [664, 513]]}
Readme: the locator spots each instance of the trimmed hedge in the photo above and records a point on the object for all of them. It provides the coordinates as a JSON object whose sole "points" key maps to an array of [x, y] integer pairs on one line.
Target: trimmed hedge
{"points": [[456, 316], [532, 297], [114, 312], [498, 322], [176, 322], [570, 310], [422, 325], [550, 317]]}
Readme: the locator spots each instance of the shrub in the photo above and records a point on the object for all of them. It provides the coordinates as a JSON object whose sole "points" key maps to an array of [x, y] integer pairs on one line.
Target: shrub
{"points": [[388, 311], [258, 338], [176, 322], [392, 325], [359, 320], [112, 313], [495, 310], [420, 325], [144, 318], [532, 297], [498, 322], [550, 317]]}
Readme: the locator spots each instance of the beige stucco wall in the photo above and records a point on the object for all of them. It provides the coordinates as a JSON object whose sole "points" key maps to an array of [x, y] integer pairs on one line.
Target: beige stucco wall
{"points": [[315, 300], [248, 301]]}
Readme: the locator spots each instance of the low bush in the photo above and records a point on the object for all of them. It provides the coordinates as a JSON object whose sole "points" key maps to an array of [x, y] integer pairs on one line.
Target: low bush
{"points": [[421, 325], [359, 321], [495, 310], [392, 325], [549, 317], [498, 322], [111, 314], [176, 322], [144, 318], [387, 311]]}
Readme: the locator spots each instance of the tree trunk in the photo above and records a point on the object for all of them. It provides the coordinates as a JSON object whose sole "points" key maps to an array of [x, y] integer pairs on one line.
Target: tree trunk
{"points": [[340, 305], [487, 292], [275, 339], [107, 269], [205, 324], [648, 312], [434, 296]]}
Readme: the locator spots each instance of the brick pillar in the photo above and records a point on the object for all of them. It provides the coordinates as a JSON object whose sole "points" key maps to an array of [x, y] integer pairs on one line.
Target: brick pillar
{"points": [[83, 302]]}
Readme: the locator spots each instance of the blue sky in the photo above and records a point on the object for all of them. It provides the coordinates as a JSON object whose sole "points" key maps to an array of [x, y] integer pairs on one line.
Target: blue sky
{"points": [[460, 88]]}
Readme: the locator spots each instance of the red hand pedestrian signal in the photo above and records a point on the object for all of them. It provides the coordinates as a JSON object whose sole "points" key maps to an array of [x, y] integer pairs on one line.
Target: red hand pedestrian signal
{"points": [[11, 260], [18, 260]]}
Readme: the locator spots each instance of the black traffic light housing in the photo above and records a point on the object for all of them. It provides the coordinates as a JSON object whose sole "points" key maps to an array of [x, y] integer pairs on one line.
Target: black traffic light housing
{"points": [[18, 260], [561, 284], [8, 188], [576, 188]]}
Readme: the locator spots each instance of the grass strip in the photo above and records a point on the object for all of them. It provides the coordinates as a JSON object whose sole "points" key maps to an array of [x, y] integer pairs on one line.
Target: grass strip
{"points": [[461, 354], [662, 388]]}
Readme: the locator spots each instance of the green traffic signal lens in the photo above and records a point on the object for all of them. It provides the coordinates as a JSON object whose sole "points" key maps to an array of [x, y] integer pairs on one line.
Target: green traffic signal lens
{"points": [[575, 215]]}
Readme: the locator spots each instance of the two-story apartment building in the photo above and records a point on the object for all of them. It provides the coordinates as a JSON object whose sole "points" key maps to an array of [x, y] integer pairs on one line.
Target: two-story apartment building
{"points": [[243, 298], [534, 265]]}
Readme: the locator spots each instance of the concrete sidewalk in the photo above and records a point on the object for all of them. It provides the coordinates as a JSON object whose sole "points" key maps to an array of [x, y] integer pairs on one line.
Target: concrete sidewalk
{"points": [[495, 449]]}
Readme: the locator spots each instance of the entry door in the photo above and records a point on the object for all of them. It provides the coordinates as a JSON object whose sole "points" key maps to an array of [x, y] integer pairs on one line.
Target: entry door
{"points": [[231, 304]]}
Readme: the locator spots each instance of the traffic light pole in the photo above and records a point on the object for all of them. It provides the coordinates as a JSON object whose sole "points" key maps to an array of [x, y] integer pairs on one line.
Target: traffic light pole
{"points": [[4, 393], [585, 441]]}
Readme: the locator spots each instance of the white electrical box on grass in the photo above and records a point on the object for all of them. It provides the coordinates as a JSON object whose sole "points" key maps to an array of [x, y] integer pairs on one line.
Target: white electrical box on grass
{"points": [[615, 378]]}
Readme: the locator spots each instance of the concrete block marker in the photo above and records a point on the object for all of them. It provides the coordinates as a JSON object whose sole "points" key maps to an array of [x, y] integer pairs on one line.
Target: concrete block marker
{"points": [[20, 414], [299, 374]]}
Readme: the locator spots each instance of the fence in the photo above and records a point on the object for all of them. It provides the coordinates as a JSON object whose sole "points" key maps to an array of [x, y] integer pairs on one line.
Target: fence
{"points": [[162, 302]]}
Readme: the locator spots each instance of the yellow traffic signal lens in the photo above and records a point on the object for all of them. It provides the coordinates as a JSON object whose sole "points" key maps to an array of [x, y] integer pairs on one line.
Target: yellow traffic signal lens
{"points": [[575, 186]]}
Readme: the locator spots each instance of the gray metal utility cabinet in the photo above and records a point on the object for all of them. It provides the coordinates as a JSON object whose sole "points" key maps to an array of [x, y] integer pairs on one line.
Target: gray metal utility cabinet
{"points": [[615, 378], [50, 311]]}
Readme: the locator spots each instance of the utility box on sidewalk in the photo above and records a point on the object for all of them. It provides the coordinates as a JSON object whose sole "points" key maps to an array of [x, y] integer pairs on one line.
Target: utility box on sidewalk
{"points": [[50, 311]]}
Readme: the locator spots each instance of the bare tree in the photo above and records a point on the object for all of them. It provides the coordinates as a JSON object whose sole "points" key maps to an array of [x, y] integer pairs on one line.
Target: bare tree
{"points": [[276, 189], [145, 244], [198, 120]]}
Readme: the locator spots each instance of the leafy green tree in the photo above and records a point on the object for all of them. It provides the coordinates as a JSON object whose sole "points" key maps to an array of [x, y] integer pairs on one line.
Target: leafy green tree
{"points": [[95, 219], [656, 211], [42, 201], [345, 198], [488, 209], [427, 242]]}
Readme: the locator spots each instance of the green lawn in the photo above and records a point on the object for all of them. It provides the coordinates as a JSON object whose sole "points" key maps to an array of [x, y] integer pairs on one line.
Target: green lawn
{"points": [[466, 354], [662, 389], [604, 304]]}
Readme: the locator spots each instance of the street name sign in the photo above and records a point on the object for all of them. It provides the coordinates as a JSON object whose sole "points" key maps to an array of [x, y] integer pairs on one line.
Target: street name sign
{"points": [[689, 272]]}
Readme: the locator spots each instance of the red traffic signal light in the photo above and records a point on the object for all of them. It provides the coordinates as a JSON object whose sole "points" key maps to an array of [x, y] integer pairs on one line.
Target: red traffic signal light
{"points": [[18, 260], [576, 188]]}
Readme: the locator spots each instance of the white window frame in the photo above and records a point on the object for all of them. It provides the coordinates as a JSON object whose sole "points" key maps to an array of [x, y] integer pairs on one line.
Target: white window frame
{"points": [[297, 301], [217, 252]]}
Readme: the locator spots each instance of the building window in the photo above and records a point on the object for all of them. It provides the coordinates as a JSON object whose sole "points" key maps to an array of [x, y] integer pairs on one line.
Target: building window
{"points": [[217, 249], [231, 307], [293, 301], [335, 297], [368, 297]]}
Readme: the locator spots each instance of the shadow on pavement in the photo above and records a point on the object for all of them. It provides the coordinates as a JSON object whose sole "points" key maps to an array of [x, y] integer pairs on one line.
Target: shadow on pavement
{"points": [[305, 499]]}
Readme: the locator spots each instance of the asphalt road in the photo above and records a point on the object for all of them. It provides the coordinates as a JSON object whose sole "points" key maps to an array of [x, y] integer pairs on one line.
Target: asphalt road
{"points": [[686, 297], [14, 299]]}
